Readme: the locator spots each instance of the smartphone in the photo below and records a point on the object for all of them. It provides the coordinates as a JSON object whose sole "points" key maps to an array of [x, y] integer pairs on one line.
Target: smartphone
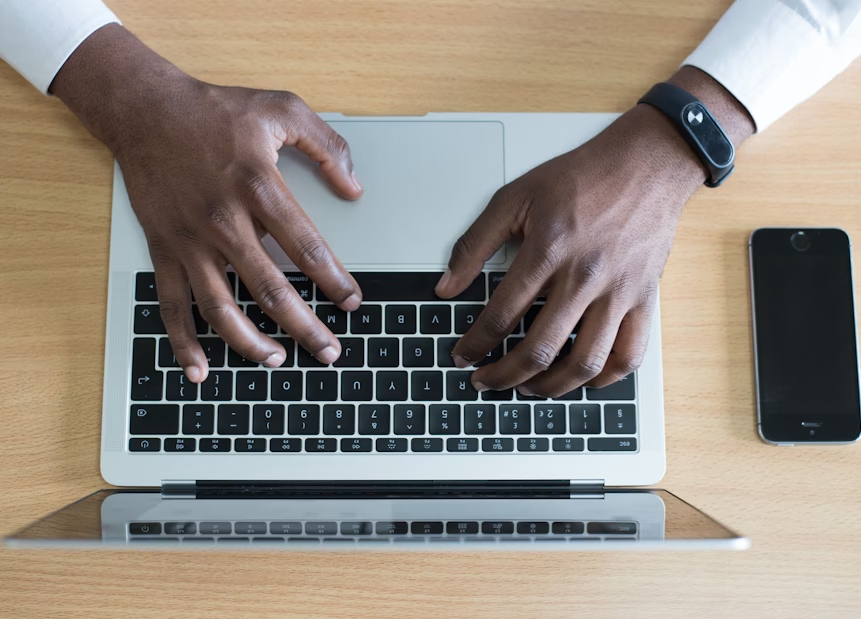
{"points": [[804, 336]]}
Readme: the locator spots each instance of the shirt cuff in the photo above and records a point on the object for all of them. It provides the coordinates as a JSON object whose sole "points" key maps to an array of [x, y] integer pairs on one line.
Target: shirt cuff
{"points": [[769, 57], [38, 36]]}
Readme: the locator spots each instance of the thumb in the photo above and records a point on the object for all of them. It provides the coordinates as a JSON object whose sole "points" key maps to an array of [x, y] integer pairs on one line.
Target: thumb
{"points": [[312, 136], [482, 239]]}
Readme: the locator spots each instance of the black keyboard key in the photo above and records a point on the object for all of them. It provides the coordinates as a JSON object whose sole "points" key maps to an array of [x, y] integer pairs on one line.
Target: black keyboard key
{"points": [[383, 352], [612, 444], [458, 386], [584, 418], [479, 419], [357, 386], [179, 387], [403, 286], [515, 419], [426, 386], [530, 316], [303, 419], [620, 419], [435, 319], [497, 444], [166, 358], [401, 319], [252, 386], [533, 528], [567, 444], [426, 445], [356, 445], [267, 419], [621, 390], [287, 386], [302, 283], [246, 445], [263, 323], [321, 445], [147, 382], [148, 320], [568, 528], [465, 316], [352, 353], [497, 527], [511, 343], [307, 360], [217, 386], [374, 419], [235, 360], [233, 419], [200, 325], [444, 419], [492, 357], [243, 294], [285, 445], [154, 419], [409, 419], [339, 419], [531, 444], [145, 287], [391, 528], [321, 386], [493, 281], [506, 395], [391, 386], [576, 394], [461, 528], [198, 419], [609, 528], [426, 528], [444, 346], [144, 444], [215, 444], [357, 528], [289, 347], [213, 348], [333, 317], [460, 445], [549, 419], [391, 445], [418, 352], [367, 320]]}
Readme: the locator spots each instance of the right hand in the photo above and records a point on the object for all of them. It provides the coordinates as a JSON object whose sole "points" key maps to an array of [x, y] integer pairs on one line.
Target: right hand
{"points": [[199, 163]]}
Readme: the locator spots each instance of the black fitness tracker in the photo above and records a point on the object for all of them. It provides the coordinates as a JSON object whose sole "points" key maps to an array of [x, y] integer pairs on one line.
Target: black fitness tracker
{"points": [[697, 126]]}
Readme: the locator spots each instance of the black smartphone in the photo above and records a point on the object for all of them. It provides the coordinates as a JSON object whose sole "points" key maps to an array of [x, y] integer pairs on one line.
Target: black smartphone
{"points": [[804, 336]]}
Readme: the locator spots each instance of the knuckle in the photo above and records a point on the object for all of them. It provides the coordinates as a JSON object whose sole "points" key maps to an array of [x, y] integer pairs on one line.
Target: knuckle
{"points": [[592, 268], [311, 252], [274, 297], [631, 361], [337, 146], [464, 246], [589, 367], [219, 218], [173, 312], [292, 102], [497, 323], [538, 356], [214, 310]]}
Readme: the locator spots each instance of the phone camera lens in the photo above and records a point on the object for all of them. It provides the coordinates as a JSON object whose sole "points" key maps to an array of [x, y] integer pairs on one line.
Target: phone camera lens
{"points": [[800, 241]]}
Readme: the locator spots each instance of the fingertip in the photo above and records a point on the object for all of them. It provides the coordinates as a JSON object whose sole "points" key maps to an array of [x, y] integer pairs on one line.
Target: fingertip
{"points": [[356, 182], [352, 303], [275, 359], [328, 355], [196, 374]]}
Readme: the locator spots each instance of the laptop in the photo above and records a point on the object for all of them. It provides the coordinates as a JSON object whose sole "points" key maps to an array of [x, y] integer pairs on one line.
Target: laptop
{"points": [[390, 446]]}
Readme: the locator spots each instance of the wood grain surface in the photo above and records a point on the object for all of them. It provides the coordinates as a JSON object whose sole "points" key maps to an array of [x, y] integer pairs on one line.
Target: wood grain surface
{"points": [[800, 506]]}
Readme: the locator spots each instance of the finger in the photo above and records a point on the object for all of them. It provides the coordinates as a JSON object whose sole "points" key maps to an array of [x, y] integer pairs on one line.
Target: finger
{"points": [[174, 301], [276, 208], [630, 346], [312, 136], [482, 239], [546, 337], [510, 301], [588, 354], [279, 300], [218, 307]]}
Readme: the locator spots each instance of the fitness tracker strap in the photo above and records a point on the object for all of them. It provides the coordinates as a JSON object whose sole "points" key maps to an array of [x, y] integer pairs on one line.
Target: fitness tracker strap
{"points": [[697, 126]]}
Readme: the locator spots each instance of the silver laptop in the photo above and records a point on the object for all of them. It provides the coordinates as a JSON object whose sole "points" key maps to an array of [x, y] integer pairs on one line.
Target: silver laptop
{"points": [[392, 423]]}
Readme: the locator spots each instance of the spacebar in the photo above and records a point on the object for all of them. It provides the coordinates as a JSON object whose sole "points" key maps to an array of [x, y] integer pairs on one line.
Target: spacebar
{"points": [[402, 286]]}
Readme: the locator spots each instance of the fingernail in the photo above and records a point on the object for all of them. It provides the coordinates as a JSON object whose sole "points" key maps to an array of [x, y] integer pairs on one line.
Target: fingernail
{"points": [[193, 373], [275, 359], [356, 181], [524, 390], [444, 280], [328, 355], [479, 386], [352, 303], [461, 362]]}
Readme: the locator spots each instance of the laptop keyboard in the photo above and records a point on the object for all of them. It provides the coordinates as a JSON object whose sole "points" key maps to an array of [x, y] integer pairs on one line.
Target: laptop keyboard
{"points": [[395, 388]]}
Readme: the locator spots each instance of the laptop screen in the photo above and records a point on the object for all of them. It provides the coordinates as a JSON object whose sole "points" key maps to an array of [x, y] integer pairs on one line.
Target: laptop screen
{"points": [[610, 520]]}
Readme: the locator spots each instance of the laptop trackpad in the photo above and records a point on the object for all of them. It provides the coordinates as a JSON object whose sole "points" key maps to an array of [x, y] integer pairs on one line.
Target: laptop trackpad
{"points": [[425, 182]]}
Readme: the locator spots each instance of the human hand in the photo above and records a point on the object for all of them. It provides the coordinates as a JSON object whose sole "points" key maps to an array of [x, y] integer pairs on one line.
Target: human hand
{"points": [[199, 163], [596, 224]]}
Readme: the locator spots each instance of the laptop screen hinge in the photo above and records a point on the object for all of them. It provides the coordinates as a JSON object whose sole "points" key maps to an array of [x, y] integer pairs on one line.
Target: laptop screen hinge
{"points": [[586, 489], [178, 489]]}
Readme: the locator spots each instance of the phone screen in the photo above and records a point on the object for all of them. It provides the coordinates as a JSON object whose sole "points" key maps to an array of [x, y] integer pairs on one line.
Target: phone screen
{"points": [[806, 347]]}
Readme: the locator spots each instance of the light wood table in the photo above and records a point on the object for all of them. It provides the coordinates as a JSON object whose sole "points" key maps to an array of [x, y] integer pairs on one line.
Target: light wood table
{"points": [[800, 506]]}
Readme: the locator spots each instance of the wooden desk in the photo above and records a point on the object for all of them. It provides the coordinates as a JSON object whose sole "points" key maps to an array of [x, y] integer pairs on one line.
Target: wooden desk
{"points": [[800, 506]]}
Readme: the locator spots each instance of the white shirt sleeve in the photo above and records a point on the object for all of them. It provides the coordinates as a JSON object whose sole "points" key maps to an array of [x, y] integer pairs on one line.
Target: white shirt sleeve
{"points": [[773, 54], [38, 36]]}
